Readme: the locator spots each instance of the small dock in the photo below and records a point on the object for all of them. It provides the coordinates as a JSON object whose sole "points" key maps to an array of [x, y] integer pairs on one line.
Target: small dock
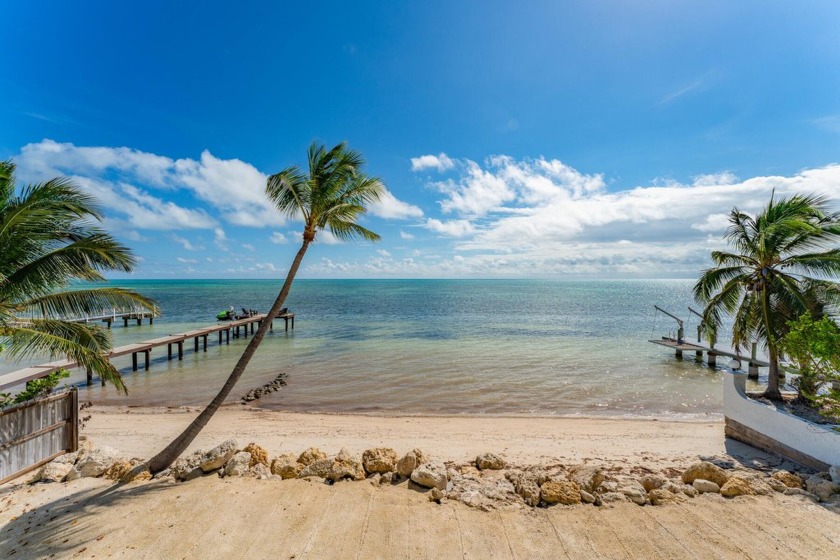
{"points": [[224, 331], [116, 315], [712, 352]]}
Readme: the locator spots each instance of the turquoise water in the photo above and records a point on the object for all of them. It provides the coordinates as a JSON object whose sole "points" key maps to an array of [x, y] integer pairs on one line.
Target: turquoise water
{"points": [[433, 347]]}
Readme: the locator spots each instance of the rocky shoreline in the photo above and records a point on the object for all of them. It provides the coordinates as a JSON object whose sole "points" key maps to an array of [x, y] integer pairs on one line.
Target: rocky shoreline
{"points": [[486, 483]]}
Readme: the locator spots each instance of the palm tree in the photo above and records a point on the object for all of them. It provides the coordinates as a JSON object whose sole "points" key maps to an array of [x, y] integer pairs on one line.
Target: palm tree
{"points": [[47, 239], [333, 195], [782, 267]]}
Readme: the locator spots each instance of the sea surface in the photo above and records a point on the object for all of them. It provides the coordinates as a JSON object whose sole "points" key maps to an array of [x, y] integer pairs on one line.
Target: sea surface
{"points": [[500, 347]]}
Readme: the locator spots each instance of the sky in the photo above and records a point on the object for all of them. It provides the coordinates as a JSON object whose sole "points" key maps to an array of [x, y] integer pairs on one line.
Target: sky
{"points": [[549, 139]]}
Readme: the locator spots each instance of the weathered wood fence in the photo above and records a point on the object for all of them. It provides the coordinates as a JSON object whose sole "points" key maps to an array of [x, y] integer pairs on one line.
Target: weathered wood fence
{"points": [[36, 432]]}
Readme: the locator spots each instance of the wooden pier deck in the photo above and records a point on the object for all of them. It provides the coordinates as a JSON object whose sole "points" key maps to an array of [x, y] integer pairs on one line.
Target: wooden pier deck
{"points": [[239, 327], [116, 314], [752, 358]]}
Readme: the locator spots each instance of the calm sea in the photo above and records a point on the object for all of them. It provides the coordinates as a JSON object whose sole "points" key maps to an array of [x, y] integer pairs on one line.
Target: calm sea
{"points": [[433, 347]]}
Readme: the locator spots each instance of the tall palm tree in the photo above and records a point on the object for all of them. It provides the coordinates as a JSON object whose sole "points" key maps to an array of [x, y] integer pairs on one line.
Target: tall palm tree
{"points": [[333, 195], [47, 239], [783, 266]]}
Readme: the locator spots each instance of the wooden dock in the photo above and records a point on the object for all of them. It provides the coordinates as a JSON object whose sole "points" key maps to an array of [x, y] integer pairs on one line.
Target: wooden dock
{"points": [[753, 360], [115, 315], [238, 327]]}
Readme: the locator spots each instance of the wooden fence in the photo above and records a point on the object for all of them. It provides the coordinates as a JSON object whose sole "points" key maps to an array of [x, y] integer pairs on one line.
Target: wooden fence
{"points": [[36, 432]]}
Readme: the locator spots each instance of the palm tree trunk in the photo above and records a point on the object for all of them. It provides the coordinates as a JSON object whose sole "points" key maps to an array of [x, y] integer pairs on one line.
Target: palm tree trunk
{"points": [[772, 391], [166, 457]]}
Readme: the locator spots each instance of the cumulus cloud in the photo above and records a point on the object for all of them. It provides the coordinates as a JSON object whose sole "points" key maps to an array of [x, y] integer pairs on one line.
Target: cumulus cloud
{"points": [[440, 162], [451, 228], [390, 208], [185, 243], [406, 236], [278, 237]]}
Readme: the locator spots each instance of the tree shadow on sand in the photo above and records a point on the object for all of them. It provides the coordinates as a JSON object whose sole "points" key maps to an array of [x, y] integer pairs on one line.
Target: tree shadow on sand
{"points": [[67, 525]]}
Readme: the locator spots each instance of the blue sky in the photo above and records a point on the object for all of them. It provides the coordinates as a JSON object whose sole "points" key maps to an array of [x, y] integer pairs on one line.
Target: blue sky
{"points": [[568, 139]]}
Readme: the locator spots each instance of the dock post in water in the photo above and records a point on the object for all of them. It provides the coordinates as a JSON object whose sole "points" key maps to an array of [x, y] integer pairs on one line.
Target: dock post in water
{"points": [[180, 350]]}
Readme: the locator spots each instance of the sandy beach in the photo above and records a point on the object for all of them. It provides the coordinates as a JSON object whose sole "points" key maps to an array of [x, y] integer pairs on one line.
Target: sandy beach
{"points": [[246, 517]]}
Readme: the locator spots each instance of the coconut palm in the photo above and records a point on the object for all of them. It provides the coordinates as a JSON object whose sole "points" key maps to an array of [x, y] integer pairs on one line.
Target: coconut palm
{"points": [[48, 239], [332, 195], [784, 265]]}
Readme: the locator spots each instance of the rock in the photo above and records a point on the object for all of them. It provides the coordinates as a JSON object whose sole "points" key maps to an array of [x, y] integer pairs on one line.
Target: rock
{"points": [[776, 485], [736, 486], [652, 482], [563, 492], [586, 497], [97, 461], [320, 468], [379, 460], [117, 470], [834, 473], [788, 479], [436, 495], [217, 457], [310, 456], [482, 493], [286, 466], [526, 485], [421, 457], [239, 464], [138, 472], [705, 486], [660, 496], [819, 487], [260, 470], [637, 495], [67, 458], [612, 497], [706, 471], [489, 461], [187, 468], [407, 464], [430, 475], [258, 454], [388, 478], [800, 492], [54, 472], [346, 466], [588, 478]]}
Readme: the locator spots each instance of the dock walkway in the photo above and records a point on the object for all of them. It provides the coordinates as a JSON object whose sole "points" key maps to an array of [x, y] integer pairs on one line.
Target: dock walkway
{"points": [[753, 359], [239, 327]]}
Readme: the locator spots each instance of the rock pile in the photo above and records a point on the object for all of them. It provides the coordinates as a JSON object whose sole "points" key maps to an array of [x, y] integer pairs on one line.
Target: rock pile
{"points": [[486, 483], [268, 388]]}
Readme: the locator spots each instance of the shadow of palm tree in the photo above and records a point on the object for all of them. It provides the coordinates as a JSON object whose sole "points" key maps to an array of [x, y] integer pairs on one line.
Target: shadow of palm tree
{"points": [[67, 525]]}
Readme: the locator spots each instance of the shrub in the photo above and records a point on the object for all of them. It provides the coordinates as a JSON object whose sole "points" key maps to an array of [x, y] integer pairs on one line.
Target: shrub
{"points": [[814, 346], [35, 388]]}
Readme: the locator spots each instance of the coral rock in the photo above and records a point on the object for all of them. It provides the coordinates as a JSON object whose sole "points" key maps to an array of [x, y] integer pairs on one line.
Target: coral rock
{"points": [[430, 475], [635, 494], [217, 457], [379, 460], [563, 492], [346, 466], [407, 464], [736, 486], [820, 487], [187, 468], [489, 461], [588, 478], [239, 464], [310, 456], [706, 471], [96, 462], [652, 482], [54, 472], [320, 468], [705, 486], [286, 466], [788, 479], [660, 496], [258, 454]]}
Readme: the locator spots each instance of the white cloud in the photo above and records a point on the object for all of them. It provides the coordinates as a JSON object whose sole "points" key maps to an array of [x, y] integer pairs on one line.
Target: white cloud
{"points": [[220, 239], [451, 228], [277, 237], [185, 243], [406, 236], [441, 162], [390, 208], [248, 247], [383, 253], [186, 261]]}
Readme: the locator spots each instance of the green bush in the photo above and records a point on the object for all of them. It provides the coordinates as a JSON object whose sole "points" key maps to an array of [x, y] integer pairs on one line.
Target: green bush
{"points": [[35, 388], [814, 346]]}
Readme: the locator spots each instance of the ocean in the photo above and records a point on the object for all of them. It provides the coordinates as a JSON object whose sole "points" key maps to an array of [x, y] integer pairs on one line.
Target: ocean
{"points": [[500, 347]]}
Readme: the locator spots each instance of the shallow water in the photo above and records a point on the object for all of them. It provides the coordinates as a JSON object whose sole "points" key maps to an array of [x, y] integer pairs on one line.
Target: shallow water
{"points": [[433, 347]]}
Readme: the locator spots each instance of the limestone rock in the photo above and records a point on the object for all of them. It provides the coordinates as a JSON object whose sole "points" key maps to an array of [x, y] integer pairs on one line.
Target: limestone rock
{"points": [[736, 486], [258, 454], [97, 461], [436, 495], [138, 472], [652, 482], [286, 466], [587, 477], [117, 470], [526, 485], [776, 485], [320, 468], [421, 457], [388, 478], [407, 464], [788, 479], [705, 486], [67, 458], [489, 461], [54, 472], [612, 497], [430, 475], [259, 470], [217, 457], [310, 456], [482, 493], [586, 497], [379, 460], [239, 464], [819, 487], [660, 496], [706, 471], [563, 492], [346, 466], [635, 494], [800, 492], [187, 468]]}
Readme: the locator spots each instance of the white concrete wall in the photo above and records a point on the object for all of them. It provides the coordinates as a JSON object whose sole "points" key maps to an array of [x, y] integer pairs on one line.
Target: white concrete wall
{"points": [[806, 437]]}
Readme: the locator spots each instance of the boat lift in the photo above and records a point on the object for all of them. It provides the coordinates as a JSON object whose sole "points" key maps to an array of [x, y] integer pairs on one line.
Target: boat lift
{"points": [[680, 330]]}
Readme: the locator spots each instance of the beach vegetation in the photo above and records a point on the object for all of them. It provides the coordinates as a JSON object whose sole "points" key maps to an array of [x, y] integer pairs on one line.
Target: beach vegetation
{"points": [[36, 388], [785, 263], [48, 240], [332, 194], [814, 346]]}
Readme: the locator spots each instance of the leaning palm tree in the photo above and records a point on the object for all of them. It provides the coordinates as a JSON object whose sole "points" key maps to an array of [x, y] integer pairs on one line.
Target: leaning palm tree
{"points": [[47, 240], [784, 265], [333, 195]]}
